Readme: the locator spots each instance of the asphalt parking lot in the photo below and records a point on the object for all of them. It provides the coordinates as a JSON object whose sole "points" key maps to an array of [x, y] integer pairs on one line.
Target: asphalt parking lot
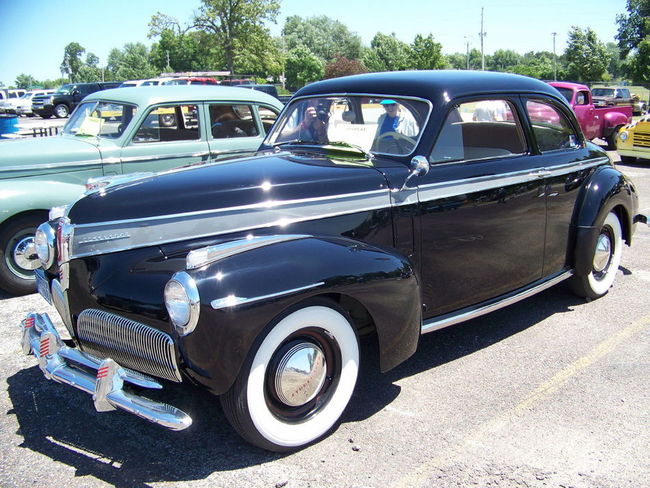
{"points": [[551, 392]]}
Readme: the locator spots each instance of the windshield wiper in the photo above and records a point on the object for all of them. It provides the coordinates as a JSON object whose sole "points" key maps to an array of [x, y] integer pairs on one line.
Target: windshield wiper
{"points": [[346, 146]]}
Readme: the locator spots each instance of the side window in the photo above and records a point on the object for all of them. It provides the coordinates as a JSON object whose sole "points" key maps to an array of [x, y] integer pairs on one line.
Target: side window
{"points": [[582, 98], [169, 123], [268, 117], [551, 128], [228, 121], [479, 130]]}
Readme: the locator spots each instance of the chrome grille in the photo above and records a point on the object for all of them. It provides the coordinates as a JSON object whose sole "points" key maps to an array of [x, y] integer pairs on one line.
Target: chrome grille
{"points": [[131, 344], [641, 139]]}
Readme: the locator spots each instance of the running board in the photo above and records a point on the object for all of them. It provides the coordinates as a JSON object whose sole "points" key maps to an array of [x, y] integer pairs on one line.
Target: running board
{"points": [[472, 312]]}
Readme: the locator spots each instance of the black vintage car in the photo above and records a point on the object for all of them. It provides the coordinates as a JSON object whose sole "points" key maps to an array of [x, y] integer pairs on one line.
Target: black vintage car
{"points": [[385, 205]]}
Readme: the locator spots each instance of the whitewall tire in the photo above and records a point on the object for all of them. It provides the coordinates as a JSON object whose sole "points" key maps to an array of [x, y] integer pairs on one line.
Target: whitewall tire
{"points": [[297, 383]]}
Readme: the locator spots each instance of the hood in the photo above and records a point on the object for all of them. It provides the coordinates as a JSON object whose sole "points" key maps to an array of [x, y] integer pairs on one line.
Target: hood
{"points": [[258, 182], [46, 155]]}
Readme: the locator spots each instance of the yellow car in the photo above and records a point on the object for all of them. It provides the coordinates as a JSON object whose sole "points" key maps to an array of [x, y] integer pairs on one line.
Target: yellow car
{"points": [[633, 140]]}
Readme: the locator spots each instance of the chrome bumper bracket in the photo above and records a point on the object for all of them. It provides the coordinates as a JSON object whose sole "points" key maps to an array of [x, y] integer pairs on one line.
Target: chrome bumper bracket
{"points": [[56, 361]]}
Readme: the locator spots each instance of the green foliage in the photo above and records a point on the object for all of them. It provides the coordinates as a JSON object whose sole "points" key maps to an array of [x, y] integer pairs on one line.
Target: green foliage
{"points": [[386, 53], [504, 60], [25, 81], [343, 66], [586, 55], [325, 37], [261, 58], [456, 61], [131, 63], [637, 66], [302, 67], [233, 24], [425, 53], [72, 60], [633, 28]]}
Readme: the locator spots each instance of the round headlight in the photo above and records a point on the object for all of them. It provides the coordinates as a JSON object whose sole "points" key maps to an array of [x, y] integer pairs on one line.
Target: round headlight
{"points": [[182, 302], [44, 241], [623, 135]]}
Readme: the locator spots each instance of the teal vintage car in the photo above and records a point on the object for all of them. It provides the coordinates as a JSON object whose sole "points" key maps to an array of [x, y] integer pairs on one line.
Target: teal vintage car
{"points": [[117, 132]]}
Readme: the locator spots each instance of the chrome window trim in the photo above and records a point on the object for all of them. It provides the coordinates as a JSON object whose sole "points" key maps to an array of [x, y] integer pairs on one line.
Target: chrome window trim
{"points": [[99, 238], [232, 301], [131, 159]]}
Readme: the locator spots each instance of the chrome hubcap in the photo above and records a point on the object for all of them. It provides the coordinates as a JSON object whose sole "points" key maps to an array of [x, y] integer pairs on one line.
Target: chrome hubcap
{"points": [[300, 374], [603, 253], [25, 253]]}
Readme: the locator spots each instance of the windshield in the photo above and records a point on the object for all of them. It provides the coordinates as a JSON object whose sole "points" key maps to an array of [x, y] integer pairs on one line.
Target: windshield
{"points": [[566, 93], [64, 89], [371, 124], [101, 119], [602, 92]]}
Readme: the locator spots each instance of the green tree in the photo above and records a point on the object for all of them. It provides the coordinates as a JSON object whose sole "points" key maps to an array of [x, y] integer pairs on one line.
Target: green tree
{"points": [[615, 66], [323, 36], [425, 53], [387, 53], [72, 60], [25, 81], [634, 27], [456, 61], [504, 60], [234, 23], [261, 58], [130, 63], [90, 70], [302, 67], [586, 55], [343, 66]]}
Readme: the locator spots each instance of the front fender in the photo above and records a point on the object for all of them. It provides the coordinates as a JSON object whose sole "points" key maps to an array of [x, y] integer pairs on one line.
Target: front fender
{"points": [[241, 294], [606, 190], [18, 196], [615, 119]]}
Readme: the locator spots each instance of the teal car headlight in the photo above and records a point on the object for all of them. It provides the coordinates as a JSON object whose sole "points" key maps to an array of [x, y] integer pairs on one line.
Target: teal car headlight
{"points": [[45, 243], [182, 302]]}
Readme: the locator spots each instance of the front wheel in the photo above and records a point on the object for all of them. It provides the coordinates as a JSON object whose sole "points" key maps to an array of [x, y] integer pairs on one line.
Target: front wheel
{"points": [[605, 261], [16, 250], [61, 111], [296, 384], [611, 139]]}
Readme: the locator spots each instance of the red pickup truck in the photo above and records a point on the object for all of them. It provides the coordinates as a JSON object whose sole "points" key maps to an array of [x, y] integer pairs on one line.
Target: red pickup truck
{"points": [[596, 122]]}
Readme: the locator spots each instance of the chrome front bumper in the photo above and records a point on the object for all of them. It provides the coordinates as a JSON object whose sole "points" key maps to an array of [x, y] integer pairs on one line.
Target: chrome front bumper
{"points": [[72, 367]]}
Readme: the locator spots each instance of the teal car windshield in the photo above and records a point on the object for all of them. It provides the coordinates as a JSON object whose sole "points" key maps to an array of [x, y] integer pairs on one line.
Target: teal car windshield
{"points": [[100, 119]]}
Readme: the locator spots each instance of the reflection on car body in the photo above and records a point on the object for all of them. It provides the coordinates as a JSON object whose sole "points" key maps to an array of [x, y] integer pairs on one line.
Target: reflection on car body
{"points": [[256, 278]]}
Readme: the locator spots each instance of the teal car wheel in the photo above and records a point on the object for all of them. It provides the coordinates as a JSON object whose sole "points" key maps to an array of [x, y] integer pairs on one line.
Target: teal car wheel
{"points": [[16, 249]]}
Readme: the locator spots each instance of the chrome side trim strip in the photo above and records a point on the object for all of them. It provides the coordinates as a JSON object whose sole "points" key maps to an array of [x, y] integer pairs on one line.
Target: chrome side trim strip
{"points": [[232, 301], [91, 239], [133, 159], [471, 313], [74, 164], [211, 254]]}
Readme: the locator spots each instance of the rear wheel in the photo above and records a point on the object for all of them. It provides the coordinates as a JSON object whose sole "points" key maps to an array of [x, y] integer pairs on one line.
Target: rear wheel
{"points": [[297, 382], [605, 261]]}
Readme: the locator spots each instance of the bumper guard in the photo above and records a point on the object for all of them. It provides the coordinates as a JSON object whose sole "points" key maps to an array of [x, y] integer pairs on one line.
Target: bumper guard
{"points": [[57, 361]]}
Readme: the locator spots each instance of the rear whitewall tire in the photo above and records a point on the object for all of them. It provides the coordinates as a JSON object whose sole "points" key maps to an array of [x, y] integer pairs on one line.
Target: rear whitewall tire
{"points": [[247, 405]]}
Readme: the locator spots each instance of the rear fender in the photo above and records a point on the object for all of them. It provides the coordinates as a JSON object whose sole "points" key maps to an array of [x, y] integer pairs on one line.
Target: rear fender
{"points": [[608, 189], [241, 293]]}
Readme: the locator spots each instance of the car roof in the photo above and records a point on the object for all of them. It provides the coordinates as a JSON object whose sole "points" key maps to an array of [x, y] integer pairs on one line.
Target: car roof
{"points": [[568, 84], [150, 95], [438, 86]]}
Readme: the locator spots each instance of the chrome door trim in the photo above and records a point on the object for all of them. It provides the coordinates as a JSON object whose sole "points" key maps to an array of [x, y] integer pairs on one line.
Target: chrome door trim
{"points": [[469, 313], [232, 301]]}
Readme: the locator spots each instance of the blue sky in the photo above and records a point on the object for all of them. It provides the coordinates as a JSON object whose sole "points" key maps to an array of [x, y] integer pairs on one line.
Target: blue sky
{"points": [[34, 33]]}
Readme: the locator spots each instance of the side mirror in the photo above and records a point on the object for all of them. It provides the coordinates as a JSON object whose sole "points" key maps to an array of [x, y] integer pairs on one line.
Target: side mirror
{"points": [[419, 167]]}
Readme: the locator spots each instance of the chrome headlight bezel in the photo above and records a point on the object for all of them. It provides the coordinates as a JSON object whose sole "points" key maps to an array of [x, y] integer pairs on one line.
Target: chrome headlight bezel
{"points": [[182, 301], [623, 135], [45, 244]]}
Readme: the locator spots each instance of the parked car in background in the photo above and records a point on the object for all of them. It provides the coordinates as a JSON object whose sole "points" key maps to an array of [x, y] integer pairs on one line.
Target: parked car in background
{"points": [[633, 141], [11, 93], [612, 96], [270, 89], [597, 122], [134, 83], [64, 100], [639, 106], [384, 205], [112, 133], [23, 104], [191, 80]]}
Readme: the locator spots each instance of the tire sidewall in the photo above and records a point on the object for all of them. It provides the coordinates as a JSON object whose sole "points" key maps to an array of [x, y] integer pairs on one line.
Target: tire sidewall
{"points": [[279, 434], [9, 281], [597, 286]]}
